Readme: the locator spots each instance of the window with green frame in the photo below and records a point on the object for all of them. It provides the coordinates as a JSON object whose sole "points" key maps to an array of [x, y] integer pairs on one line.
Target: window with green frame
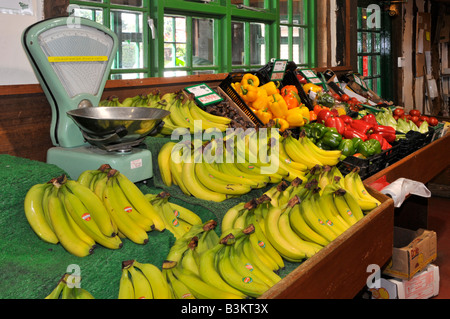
{"points": [[166, 38]]}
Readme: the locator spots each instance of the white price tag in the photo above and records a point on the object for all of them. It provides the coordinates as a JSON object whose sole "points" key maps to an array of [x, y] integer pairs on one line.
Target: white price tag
{"points": [[136, 163]]}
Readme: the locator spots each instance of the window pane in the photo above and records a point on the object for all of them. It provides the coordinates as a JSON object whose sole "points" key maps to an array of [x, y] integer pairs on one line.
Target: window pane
{"points": [[284, 12], [134, 3], [237, 47], [256, 3], [127, 76], [88, 13], [257, 44], [174, 41], [284, 45], [169, 55], [299, 40], [128, 27], [174, 73], [298, 13], [202, 42]]}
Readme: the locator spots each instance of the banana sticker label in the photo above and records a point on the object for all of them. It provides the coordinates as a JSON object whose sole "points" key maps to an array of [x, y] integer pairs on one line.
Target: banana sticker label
{"points": [[176, 213], [211, 176], [329, 223], [261, 244], [128, 209], [186, 296], [86, 217], [288, 161], [251, 167], [321, 222], [349, 212], [249, 266], [247, 280], [175, 222]]}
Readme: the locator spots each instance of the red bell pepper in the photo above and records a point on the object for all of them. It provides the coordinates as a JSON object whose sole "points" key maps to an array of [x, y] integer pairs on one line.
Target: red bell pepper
{"points": [[361, 126], [323, 115], [337, 123], [347, 119], [350, 133], [370, 118], [388, 132], [385, 145]]}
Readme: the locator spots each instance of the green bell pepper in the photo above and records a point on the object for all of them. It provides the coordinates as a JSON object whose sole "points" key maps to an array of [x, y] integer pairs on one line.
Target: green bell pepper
{"points": [[346, 147], [308, 130], [332, 139], [322, 145], [356, 141], [318, 130], [369, 148]]}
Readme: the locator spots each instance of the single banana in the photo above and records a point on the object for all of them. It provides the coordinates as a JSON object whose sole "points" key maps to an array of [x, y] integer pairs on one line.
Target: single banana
{"points": [[230, 217], [208, 116], [67, 237], [176, 168], [139, 202], [94, 205], [126, 290], [190, 261], [343, 208], [206, 123], [212, 170], [323, 216], [34, 212], [141, 286], [263, 254], [366, 200], [232, 170], [160, 287], [326, 157], [185, 214], [178, 288], [86, 177], [56, 292], [124, 223], [164, 158], [326, 203]]}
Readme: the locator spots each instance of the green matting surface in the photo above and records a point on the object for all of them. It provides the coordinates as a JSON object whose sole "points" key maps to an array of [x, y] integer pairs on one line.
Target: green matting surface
{"points": [[31, 268]]}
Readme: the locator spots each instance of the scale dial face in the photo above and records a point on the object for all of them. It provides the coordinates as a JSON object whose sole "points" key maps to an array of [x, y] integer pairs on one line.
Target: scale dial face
{"points": [[80, 57]]}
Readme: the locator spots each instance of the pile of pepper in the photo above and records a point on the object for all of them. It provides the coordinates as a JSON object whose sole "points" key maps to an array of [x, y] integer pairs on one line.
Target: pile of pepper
{"points": [[358, 137], [282, 107]]}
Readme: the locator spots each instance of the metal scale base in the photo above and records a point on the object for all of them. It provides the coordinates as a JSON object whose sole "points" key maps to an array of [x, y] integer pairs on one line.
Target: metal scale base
{"points": [[136, 164]]}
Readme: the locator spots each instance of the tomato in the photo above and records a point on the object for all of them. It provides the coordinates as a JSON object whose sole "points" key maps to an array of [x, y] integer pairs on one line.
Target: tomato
{"points": [[336, 96], [408, 117], [396, 117], [418, 123], [414, 118], [415, 113], [423, 118], [345, 97], [433, 121], [354, 100], [399, 112]]}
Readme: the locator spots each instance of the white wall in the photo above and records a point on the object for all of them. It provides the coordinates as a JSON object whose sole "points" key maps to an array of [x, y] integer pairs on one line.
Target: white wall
{"points": [[14, 65]]}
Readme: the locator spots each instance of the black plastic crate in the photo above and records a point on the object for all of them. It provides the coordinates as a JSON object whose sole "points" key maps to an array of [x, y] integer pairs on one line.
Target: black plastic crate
{"points": [[414, 141], [225, 85], [372, 165]]}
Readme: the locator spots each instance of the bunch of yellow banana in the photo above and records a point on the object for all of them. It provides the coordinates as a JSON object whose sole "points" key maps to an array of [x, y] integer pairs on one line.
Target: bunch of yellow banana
{"points": [[178, 219], [67, 212], [304, 151], [142, 281], [69, 288], [353, 184], [110, 101]]}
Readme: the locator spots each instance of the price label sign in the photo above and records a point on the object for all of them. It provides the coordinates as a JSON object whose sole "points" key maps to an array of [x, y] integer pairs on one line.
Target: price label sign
{"points": [[278, 70], [311, 77], [203, 94]]}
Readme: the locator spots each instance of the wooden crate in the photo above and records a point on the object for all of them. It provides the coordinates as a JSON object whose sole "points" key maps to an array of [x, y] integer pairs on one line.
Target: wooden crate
{"points": [[339, 270]]}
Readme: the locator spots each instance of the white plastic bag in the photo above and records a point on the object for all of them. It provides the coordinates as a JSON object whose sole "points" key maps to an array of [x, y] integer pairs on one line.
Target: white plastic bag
{"points": [[402, 187]]}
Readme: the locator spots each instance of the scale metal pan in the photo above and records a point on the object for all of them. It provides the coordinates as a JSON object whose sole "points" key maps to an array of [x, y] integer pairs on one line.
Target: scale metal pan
{"points": [[127, 124]]}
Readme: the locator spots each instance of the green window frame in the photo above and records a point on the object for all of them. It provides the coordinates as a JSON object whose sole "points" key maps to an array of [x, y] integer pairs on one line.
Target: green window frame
{"points": [[147, 45]]}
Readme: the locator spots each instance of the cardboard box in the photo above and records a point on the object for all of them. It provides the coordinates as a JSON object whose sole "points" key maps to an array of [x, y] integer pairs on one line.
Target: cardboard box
{"points": [[412, 252], [423, 285]]}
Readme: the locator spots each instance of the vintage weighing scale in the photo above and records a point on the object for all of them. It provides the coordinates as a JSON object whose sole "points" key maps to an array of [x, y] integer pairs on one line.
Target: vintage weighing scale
{"points": [[72, 58]]}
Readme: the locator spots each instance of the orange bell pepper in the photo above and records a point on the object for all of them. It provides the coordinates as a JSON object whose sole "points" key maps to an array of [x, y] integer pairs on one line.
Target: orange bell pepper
{"points": [[288, 89], [312, 116], [291, 101]]}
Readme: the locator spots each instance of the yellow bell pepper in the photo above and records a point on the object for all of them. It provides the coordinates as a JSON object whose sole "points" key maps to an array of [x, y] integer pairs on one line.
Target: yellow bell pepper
{"points": [[281, 124], [249, 93], [305, 112], [250, 79], [278, 105], [236, 86], [312, 87], [264, 115], [262, 101], [270, 87], [295, 117]]}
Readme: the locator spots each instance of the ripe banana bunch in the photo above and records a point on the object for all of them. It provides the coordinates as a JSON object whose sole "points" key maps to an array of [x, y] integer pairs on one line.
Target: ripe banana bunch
{"points": [[353, 184], [184, 111], [142, 281], [67, 212], [304, 151], [66, 289], [178, 219], [111, 101]]}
